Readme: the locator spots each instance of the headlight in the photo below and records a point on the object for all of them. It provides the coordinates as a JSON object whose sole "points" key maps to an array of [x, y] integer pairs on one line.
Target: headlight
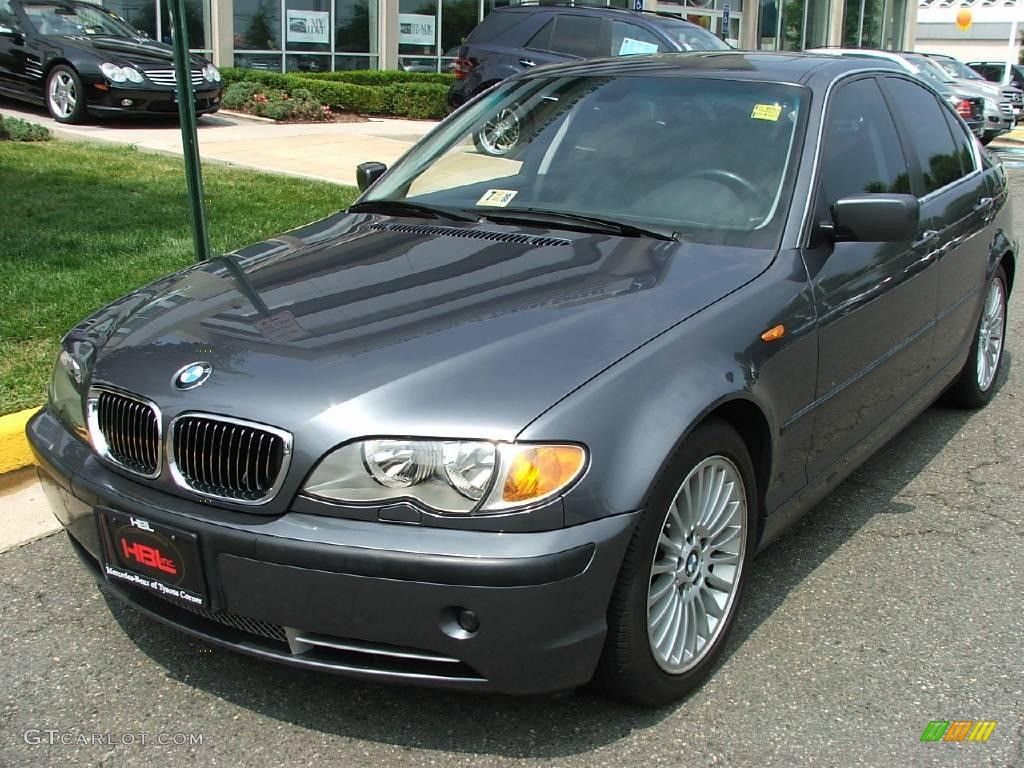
{"points": [[118, 74], [66, 388], [447, 476], [211, 73]]}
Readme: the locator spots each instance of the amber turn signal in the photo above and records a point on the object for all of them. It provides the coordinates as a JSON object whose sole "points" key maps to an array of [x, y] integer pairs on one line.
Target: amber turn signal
{"points": [[541, 471], [774, 333]]}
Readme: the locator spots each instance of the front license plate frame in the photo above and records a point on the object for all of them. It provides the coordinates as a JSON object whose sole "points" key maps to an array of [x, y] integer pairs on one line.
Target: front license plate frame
{"points": [[158, 558]]}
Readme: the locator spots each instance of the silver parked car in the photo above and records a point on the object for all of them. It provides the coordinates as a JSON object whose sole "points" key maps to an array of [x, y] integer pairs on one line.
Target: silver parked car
{"points": [[968, 102]]}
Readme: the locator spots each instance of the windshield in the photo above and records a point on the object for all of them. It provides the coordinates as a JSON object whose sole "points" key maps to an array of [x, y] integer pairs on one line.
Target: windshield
{"points": [[929, 70], [956, 68], [708, 159], [74, 19]]}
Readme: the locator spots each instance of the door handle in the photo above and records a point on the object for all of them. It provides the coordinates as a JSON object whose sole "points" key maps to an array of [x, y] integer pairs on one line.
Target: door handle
{"points": [[528, 62], [984, 203], [926, 237]]}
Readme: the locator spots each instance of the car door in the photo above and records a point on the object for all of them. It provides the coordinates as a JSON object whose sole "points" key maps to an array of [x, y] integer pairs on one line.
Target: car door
{"points": [[538, 51], [955, 200], [875, 302], [12, 42]]}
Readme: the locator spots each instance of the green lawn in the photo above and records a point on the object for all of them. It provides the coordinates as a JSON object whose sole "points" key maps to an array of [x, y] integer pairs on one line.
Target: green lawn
{"points": [[83, 224]]}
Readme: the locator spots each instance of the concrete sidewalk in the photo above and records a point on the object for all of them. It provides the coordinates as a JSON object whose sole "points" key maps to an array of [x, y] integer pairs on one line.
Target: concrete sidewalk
{"points": [[325, 151]]}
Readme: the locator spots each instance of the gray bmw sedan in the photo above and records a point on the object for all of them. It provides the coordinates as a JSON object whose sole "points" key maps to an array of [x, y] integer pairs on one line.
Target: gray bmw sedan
{"points": [[523, 415]]}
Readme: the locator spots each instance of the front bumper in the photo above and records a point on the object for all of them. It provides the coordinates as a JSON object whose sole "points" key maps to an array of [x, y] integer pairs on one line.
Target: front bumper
{"points": [[149, 101], [367, 599]]}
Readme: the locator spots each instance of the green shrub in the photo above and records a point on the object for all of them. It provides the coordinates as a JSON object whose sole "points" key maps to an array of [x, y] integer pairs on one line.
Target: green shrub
{"points": [[419, 100], [403, 94], [3, 131], [238, 95], [377, 77], [14, 129]]}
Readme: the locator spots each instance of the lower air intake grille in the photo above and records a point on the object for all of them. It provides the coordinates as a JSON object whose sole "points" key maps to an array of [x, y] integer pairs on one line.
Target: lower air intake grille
{"points": [[129, 431], [229, 459]]}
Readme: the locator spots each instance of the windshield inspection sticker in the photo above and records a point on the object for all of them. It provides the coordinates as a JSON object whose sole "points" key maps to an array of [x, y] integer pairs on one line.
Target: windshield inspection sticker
{"points": [[497, 198], [766, 112]]}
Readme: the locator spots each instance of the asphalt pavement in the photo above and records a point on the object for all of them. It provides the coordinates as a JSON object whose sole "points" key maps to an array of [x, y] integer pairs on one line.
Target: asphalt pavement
{"points": [[899, 600]]}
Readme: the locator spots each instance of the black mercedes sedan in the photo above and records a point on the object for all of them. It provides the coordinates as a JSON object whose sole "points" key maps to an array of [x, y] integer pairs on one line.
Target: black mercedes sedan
{"points": [[81, 59], [513, 423]]}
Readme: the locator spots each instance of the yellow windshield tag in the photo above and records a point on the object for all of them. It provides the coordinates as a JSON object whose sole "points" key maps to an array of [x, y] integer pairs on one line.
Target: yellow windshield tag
{"points": [[766, 112], [497, 198]]}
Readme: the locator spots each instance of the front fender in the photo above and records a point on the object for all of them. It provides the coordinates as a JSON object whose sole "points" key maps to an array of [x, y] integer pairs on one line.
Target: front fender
{"points": [[633, 415]]}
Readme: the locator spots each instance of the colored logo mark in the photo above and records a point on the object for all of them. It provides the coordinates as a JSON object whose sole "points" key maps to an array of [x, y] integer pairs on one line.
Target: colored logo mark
{"points": [[958, 730]]}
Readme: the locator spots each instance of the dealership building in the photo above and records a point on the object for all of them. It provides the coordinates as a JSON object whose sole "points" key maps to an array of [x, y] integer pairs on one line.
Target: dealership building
{"points": [[423, 35]]}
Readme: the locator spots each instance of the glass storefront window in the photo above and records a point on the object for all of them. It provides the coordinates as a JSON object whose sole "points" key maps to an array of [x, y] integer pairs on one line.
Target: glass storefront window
{"points": [[792, 25], [142, 16], [268, 62], [874, 24], [307, 62], [307, 26], [195, 11], [458, 17], [342, 63], [417, 31], [258, 25], [355, 26]]}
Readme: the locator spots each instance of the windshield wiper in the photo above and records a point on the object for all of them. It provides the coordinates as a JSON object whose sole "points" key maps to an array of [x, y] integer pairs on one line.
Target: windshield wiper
{"points": [[406, 208], [579, 221]]}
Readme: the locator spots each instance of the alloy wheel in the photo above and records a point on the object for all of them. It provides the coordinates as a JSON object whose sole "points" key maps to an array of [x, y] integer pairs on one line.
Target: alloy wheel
{"points": [[991, 330], [500, 134], [697, 564], [63, 95]]}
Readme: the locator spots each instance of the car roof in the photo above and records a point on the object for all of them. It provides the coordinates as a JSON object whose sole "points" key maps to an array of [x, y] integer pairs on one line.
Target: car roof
{"points": [[867, 53], [798, 67], [533, 6]]}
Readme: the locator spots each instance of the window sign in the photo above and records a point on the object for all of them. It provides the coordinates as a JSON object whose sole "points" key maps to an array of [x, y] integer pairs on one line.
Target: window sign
{"points": [[416, 29], [631, 47], [309, 26]]}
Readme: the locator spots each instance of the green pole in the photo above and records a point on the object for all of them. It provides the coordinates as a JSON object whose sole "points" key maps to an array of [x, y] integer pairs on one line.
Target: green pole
{"points": [[187, 118]]}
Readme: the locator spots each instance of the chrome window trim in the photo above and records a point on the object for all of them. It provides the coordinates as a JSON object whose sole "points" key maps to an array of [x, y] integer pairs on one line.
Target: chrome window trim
{"points": [[99, 442], [182, 482]]}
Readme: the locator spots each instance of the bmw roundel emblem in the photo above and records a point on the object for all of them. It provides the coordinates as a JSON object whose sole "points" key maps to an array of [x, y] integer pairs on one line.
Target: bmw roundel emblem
{"points": [[192, 375]]}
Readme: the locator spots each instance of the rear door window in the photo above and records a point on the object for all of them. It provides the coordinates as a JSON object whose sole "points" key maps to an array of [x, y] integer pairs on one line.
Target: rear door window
{"points": [[629, 39], [926, 128], [577, 35], [495, 25], [542, 40]]}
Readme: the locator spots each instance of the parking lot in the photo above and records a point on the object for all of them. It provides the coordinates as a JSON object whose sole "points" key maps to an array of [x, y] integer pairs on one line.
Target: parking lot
{"points": [[899, 600]]}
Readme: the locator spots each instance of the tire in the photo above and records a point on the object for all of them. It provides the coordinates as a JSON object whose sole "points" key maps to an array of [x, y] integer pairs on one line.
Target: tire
{"points": [[634, 666], [975, 384], [987, 138], [65, 96]]}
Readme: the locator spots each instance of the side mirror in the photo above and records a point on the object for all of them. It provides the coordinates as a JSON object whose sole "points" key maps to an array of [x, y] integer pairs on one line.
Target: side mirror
{"points": [[874, 218], [368, 173]]}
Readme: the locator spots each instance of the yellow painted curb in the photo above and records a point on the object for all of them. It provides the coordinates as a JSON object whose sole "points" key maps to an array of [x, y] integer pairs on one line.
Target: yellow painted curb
{"points": [[14, 450]]}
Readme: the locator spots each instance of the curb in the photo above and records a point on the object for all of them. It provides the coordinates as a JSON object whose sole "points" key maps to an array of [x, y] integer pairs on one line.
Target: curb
{"points": [[14, 450]]}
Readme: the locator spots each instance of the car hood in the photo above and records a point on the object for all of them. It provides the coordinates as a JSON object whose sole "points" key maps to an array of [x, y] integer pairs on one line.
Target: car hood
{"points": [[123, 50], [360, 325], [979, 88]]}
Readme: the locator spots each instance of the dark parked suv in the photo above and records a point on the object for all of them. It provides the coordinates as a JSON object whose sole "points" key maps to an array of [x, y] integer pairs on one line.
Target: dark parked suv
{"points": [[516, 38]]}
